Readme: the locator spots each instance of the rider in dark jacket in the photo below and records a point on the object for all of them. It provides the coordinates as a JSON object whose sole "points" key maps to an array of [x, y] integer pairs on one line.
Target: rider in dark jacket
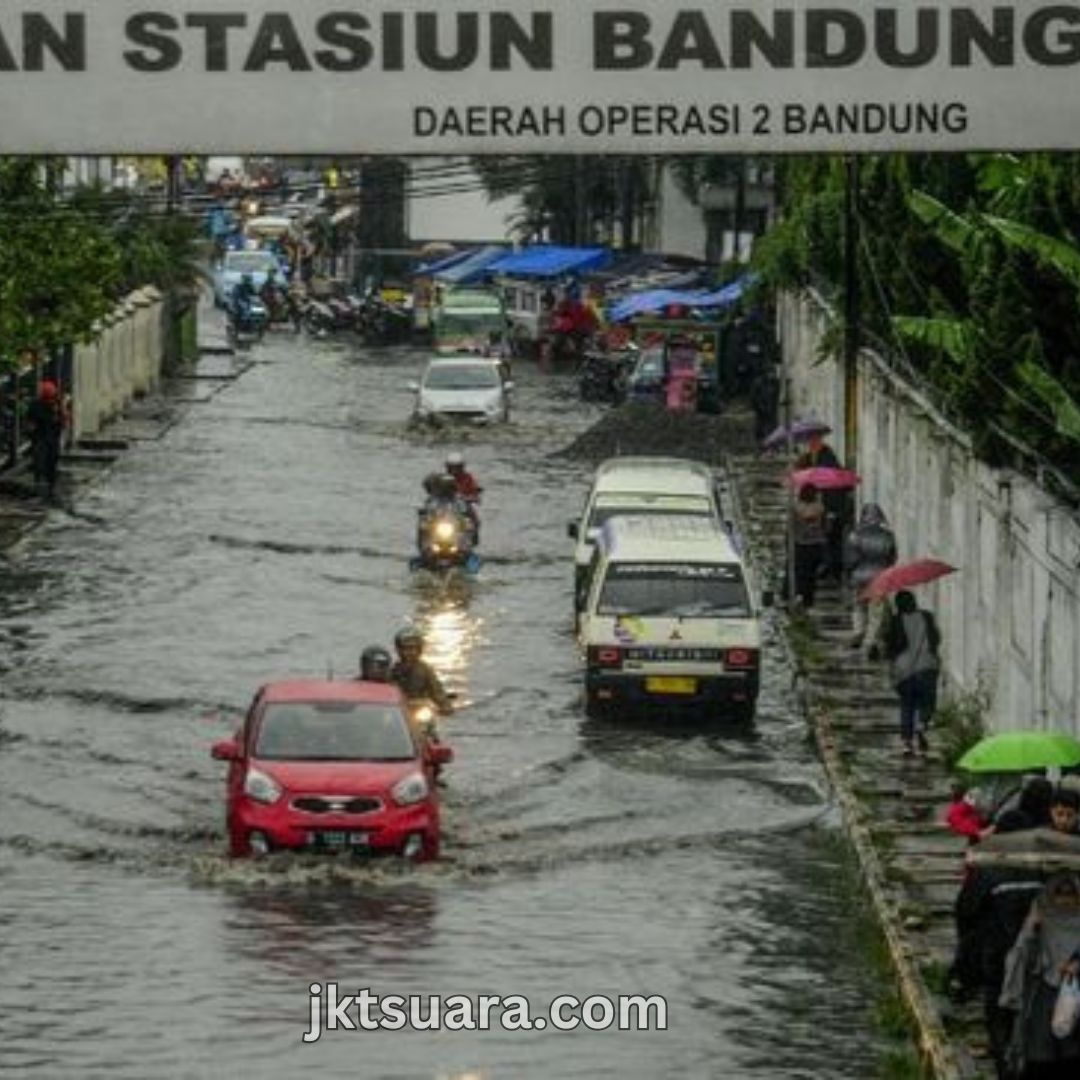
{"points": [[415, 677]]}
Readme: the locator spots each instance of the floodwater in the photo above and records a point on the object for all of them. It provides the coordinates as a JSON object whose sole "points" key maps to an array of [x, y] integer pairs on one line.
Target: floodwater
{"points": [[267, 534]]}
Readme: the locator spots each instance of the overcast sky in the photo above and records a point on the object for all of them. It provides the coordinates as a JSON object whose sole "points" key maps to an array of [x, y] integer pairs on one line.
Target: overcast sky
{"points": [[461, 216]]}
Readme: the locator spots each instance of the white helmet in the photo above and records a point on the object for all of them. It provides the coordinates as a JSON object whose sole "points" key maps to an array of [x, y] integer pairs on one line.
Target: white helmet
{"points": [[454, 460]]}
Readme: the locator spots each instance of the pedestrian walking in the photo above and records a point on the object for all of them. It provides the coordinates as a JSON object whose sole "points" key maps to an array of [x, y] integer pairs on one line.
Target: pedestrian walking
{"points": [[912, 641], [765, 400], [808, 528], [819, 454], [47, 423], [1046, 955], [870, 548]]}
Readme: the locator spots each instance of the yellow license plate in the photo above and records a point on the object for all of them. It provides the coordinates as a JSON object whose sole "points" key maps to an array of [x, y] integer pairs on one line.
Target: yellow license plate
{"points": [[670, 685]]}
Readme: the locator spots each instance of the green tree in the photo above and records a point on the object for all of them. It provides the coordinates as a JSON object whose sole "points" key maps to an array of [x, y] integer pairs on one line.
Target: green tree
{"points": [[58, 267]]}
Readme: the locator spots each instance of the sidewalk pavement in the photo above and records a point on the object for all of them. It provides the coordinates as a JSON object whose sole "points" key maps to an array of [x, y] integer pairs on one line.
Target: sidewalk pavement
{"points": [[149, 418], [893, 806]]}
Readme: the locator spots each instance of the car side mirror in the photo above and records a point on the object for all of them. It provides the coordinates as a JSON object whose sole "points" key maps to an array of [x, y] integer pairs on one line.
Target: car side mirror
{"points": [[768, 598], [440, 754], [414, 387], [572, 530], [226, 750]]}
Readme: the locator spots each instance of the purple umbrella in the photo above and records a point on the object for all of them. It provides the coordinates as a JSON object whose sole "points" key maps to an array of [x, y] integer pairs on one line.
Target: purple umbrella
{"points": [[800, 431]]}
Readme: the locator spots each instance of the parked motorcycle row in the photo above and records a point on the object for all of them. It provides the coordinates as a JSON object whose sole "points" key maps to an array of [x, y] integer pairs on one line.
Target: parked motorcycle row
{"points": [[375, 320]]}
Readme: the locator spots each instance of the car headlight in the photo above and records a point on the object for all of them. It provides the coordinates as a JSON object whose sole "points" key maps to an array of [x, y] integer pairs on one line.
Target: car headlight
{"points": [[413, 789], [445, 530], [261, 787]]}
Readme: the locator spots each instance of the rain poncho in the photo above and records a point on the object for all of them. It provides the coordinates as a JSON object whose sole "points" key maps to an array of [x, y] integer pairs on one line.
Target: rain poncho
{"points": [[1050, 938]]}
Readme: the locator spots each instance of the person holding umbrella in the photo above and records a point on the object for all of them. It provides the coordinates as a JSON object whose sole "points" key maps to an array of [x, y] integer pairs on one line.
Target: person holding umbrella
{"points": [[808, 533], [870, 548], [820, 455], [912, 641]]}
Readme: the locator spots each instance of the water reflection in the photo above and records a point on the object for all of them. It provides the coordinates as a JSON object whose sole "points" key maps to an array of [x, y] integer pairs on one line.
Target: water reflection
{"points": [[299, 929], [451, 633]]}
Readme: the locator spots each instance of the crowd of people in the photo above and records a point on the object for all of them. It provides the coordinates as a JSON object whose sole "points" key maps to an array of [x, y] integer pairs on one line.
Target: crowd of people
{"points": [[1017, 922], [826, 548], [1018, 928]]}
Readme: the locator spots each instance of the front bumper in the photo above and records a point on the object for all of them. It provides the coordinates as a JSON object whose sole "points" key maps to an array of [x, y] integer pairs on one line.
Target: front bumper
{"points": [[386, 831], [733, 690]]}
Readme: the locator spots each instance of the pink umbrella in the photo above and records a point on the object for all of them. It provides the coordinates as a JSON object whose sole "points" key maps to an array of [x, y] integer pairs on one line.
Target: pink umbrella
{"points": [[825, 479], [905, 576]]}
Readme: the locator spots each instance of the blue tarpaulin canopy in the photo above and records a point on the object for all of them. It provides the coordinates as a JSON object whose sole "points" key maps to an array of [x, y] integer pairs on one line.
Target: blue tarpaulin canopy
{"points": [[545, 261], [658, 299], [475, 266]]}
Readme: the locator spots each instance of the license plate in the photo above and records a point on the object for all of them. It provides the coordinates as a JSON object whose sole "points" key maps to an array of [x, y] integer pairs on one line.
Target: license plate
{"points": [[338, 838], [670, 685]]}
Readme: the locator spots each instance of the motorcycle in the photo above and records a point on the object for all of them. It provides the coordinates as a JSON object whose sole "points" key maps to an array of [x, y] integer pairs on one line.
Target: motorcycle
{"points": [[319, 319], [423, 717], [382, 323], [603, 377], [283, 310], [446, 540], [247, 321]]}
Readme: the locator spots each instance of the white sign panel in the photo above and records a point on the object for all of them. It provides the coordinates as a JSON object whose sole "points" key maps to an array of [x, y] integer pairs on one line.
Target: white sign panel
{"points": [[546, 76]]}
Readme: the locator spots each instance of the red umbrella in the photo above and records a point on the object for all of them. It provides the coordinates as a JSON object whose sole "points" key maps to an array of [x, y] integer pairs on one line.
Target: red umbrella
{"points": [[905, 576], [825, 479]]}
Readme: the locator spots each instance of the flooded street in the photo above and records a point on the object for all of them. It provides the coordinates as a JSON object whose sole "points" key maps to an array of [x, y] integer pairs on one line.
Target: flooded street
{"points": [[268, 534]]}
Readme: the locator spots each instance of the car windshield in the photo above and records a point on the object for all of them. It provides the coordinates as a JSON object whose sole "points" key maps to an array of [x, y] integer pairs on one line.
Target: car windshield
{"points": [[677, 590], [333, 731], [649, 505], [460, 377], [470, 322], [250, 262]]}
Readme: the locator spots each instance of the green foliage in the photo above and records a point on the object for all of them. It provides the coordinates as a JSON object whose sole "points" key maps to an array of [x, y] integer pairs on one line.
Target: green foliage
{"points": [[970, 267], [58, 267], [65, 262], [960, 721]]}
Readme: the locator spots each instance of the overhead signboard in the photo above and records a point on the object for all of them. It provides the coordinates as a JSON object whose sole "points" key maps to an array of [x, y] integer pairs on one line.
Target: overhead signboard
{"points": [[543, 76]]}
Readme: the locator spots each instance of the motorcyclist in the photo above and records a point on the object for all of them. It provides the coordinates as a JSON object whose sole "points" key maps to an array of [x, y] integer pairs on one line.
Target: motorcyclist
{"points": [[415, 677], [443, 498], [242, 295], [375, 664], [467, 487], [468, 490], [271, 291]]}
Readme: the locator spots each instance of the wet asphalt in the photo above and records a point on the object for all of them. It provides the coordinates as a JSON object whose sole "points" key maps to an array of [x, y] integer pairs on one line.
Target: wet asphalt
{"points": [[267, 534]]}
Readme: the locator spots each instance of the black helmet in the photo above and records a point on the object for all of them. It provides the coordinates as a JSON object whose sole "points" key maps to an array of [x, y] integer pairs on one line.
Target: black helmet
{"points": [[409, 636], [431, 481], [375, 664]]}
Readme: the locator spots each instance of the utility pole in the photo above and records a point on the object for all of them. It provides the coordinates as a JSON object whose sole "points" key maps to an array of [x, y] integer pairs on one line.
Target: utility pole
{"points": [[172, 183], [852, 311], [580, 211], [740, 207]]}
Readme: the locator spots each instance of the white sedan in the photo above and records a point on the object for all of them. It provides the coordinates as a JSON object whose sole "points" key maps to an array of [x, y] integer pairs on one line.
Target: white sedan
{"points": [[463, 388]]}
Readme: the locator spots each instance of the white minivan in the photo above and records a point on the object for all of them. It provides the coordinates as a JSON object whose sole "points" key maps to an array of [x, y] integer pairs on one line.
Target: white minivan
{"points": [[670, 618], [640, 486]]}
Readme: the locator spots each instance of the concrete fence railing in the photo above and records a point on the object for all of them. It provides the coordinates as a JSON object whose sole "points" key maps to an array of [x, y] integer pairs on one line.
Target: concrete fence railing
{"points": [[121, 362], [1012, 613]]}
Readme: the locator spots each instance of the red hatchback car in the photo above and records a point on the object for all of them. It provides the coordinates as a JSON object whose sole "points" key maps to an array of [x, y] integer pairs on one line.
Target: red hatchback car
{"points": [[331, 766]]}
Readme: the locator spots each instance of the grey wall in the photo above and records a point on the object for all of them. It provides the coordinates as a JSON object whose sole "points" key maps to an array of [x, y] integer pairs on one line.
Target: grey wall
{"points": [[1012, 613]]}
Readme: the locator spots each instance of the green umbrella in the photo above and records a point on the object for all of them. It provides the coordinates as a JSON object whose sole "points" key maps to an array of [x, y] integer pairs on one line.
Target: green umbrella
{"points": [[1019, 751]]}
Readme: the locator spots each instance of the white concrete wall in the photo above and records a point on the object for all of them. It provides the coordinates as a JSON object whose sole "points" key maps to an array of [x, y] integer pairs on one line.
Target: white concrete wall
{"points": [[1012, 612], [681, 225], [123, 361], [465, 215]]}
